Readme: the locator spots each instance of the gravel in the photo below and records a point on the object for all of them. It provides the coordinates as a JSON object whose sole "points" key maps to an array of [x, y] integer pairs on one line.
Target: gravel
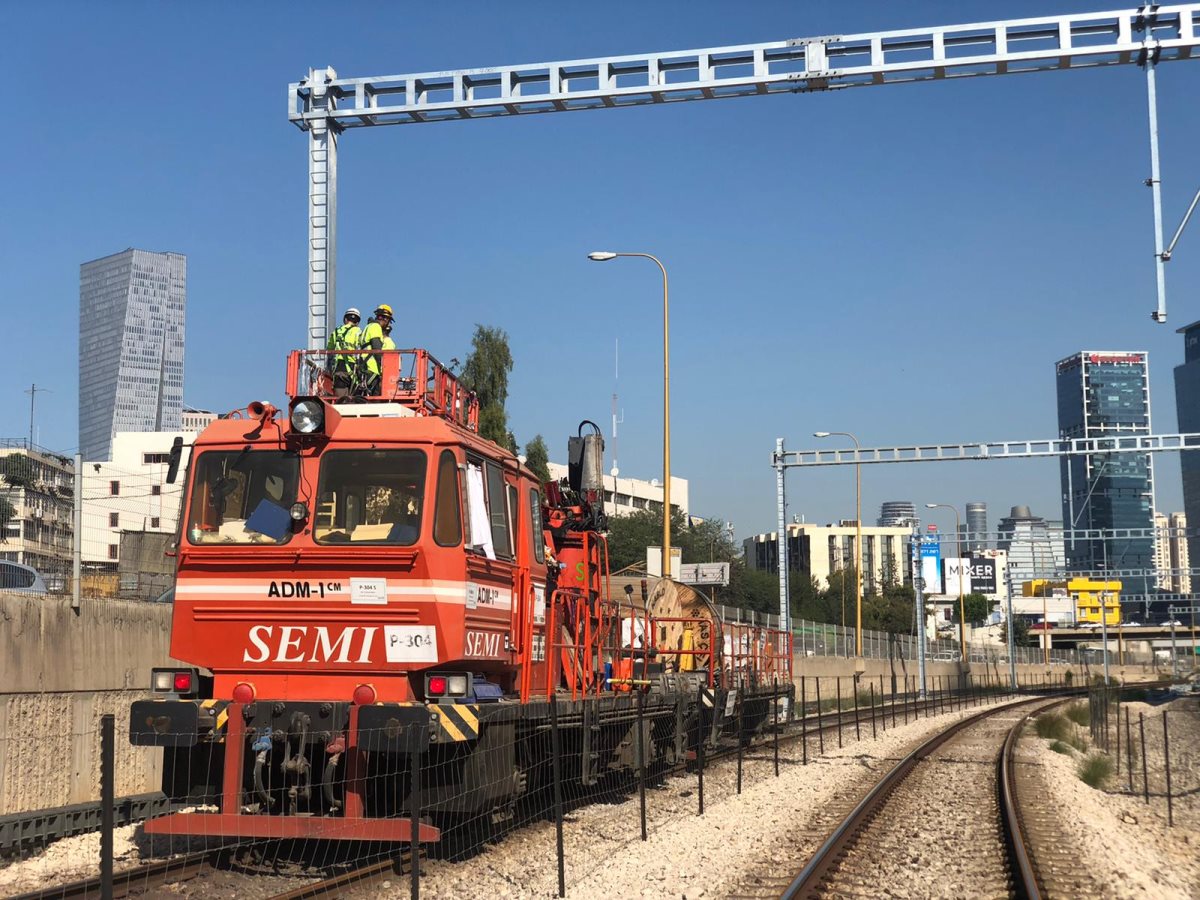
{"points": [[771, 828], [1124, 843]]}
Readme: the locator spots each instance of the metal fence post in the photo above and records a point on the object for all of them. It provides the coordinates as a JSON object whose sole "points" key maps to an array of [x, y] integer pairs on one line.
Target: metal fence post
{"points": [[414, 816], [803, 720], [641, 747], [874, 737], [739, 743], [1128, 751], [1167, 761], [556, 769], [839, 710], [775, 705], [854, 688], [700, 748], [1145, 777], [820, 733], [107, 799]]}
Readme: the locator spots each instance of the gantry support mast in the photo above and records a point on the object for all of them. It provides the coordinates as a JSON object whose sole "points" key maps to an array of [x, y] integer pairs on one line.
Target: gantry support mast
{"points": [[325, 105]]}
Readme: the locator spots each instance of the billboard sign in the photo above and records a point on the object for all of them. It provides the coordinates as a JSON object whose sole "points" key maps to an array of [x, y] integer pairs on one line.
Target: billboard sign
{"points": [[983, 574], [931, 569], [705, 573], [956, 576]]}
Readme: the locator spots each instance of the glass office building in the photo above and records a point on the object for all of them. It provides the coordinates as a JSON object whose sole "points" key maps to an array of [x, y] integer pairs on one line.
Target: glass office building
{"points": [[1187, 408], [131, 327], [1107, 394]]}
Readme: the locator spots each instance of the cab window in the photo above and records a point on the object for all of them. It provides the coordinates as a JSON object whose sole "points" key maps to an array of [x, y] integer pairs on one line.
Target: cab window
{"points": [[243, 497], [498, 510], [535, 526], [370, 497], [447, 517]]}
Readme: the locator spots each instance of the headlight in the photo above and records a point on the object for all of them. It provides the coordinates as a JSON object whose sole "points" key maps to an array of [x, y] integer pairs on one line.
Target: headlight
{"points": [[456, 685], [308, 416]]}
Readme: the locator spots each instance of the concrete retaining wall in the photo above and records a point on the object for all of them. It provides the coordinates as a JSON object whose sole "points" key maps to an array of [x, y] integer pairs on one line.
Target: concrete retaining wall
{"points": [[60, 670]]}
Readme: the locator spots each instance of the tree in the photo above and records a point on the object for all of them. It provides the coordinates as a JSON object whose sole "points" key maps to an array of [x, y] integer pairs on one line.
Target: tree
{"points": [[629, 536], [486, 373], [537, 458], [978, 608]]}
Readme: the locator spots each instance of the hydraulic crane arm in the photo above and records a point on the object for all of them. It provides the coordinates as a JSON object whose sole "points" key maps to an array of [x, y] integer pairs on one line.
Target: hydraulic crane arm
{"points": [[325, 105]]}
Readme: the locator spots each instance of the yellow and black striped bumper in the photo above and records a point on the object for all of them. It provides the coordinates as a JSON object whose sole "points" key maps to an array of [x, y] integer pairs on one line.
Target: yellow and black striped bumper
{"points": [[457, 722]]}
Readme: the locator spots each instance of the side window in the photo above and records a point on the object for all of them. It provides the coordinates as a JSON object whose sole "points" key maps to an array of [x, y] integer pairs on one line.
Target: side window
{"points": [[447, 517], [513, 511], [535, 526], [498, 510]]}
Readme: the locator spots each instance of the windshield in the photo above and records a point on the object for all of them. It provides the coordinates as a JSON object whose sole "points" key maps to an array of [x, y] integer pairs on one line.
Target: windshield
{"points": [[370, 497], [243, 497]]}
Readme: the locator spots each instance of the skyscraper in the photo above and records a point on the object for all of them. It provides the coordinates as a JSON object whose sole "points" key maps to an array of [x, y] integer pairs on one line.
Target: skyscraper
{"points": [[976, 525], [894, 513], [131, 325], [1103, 393], [1187, 408]]}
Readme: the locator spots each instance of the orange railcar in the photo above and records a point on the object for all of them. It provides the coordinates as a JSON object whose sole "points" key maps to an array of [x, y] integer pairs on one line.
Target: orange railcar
{"points": [[354, 577]]}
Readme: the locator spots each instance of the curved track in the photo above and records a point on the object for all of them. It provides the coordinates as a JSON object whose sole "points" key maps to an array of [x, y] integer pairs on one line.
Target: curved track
{"points": [[945, 815], [144, 878]]}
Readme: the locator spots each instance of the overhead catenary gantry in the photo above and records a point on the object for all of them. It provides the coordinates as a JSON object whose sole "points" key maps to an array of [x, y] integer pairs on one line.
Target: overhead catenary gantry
{"points": [[325, 105]]}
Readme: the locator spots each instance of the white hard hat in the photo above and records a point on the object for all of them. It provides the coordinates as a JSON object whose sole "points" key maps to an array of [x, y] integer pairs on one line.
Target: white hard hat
{"points": [[353, 311]]}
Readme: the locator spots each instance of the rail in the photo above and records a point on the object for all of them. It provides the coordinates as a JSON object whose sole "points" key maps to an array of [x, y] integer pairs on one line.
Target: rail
{"points": [[809, 879]]}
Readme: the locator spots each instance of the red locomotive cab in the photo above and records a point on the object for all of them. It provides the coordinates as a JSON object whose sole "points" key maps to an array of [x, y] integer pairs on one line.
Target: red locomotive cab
{"points": [[365, 585]]}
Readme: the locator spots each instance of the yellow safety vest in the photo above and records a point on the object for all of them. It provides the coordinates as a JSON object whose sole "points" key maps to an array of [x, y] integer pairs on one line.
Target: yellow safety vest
{"points": [[371, 332], [347, 337]]}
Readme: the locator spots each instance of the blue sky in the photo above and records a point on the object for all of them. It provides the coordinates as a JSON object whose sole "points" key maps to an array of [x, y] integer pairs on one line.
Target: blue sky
{"points": [[906, 263]]}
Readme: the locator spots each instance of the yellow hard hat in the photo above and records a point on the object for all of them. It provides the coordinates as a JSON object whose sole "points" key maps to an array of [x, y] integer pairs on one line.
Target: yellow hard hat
{"points": [[385, 309]]}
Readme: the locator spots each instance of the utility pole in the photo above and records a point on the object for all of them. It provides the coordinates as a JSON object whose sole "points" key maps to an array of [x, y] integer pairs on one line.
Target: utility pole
{"points": [[919, 591], [33, 391], [1012, 641]]}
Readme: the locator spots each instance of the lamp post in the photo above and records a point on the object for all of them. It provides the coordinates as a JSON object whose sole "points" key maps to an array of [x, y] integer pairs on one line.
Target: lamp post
{"points": [[604, 256], [858, 652], [962, 609]]}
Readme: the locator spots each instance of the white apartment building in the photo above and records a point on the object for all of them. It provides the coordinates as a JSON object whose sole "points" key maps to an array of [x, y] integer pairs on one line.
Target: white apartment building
{"points": [[196, 420], [625, 496], [129, 493], [820, 550], [38, 487], [1171, 552]]}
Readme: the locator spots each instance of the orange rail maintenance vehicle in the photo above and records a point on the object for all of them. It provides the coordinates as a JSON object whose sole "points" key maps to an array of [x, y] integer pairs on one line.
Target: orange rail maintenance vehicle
{"points": [[369, 587]]}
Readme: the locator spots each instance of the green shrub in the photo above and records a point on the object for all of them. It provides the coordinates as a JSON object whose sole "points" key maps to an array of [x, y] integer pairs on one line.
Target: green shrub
{"points": [[1060, 747], [1068, 677], [1078, 740], [1095, 769], [1080, 714], [1052, 726]]}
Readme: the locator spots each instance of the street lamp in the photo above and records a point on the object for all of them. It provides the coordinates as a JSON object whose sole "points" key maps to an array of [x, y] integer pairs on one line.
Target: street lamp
{"points": [[962, 609], [857, 539], [605, 256]]}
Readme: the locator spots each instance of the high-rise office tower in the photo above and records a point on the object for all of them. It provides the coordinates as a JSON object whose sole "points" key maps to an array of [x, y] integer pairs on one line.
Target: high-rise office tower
{"points": [[893, 513], [131, 321], [1104, 393], [976, 525], [1187, 408]]}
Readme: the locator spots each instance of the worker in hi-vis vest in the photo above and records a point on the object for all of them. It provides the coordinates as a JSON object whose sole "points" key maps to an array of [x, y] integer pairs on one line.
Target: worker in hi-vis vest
{"points": [[341, 365], [372, 339]]}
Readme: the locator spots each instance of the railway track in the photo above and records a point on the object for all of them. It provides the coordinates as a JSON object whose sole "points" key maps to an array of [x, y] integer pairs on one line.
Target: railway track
{"points": [[905, 710], [946, 817], [814, 730]]}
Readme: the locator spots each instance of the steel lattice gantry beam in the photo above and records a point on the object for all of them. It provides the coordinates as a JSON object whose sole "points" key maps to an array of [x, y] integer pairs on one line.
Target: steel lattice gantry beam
{"points": [[324, 105], [987, 450]]}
